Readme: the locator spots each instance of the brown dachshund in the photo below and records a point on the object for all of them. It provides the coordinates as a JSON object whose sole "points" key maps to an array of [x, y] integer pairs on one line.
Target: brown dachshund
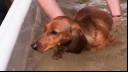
{"points": [[89, 28]]}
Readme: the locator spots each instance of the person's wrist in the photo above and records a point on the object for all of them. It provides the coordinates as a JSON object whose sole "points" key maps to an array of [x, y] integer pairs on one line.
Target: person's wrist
{"points": [[116, 15]]}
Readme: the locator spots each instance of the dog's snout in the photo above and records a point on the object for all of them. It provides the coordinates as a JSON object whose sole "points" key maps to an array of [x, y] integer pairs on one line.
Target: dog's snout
{"points": [[34, 46]]}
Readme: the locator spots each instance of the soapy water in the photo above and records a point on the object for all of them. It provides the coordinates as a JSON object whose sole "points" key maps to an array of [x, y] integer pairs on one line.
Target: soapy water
{"points": [[109, 58]]}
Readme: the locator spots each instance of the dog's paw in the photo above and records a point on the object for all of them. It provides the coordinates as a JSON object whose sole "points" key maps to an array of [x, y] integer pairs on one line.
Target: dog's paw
{"points": [[57, 56]]}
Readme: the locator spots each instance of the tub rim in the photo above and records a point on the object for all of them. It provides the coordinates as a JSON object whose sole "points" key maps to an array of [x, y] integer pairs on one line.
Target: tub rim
{"points": [[10, 29]]}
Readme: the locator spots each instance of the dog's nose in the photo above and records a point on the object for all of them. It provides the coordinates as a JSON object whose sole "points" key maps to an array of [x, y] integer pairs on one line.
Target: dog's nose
{"points": [[34, 46]]}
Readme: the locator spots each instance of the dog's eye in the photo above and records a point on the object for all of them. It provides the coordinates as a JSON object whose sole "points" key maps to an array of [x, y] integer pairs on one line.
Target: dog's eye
{"points": [[53, 32]]}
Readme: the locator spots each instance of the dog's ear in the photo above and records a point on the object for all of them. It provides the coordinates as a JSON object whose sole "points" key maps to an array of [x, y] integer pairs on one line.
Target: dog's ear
{"points": [[78, 41]]}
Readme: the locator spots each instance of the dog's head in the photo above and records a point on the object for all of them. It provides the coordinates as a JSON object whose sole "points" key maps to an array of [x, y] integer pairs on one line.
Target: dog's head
{"points": [[60, 31]]}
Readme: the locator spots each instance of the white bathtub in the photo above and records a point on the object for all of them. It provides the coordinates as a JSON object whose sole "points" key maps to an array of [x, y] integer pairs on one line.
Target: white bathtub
{"points": [[16, 35]]}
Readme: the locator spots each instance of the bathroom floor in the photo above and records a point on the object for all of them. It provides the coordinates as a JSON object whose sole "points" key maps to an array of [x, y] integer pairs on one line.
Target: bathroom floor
{"points": [[109, 58]]}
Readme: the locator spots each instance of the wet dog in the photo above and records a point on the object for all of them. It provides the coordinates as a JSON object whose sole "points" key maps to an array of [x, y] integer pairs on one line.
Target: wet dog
{"points": [[88, 29]]}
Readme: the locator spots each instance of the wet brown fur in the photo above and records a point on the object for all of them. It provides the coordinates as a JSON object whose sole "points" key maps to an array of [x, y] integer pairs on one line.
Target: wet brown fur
{"points": [[89, 28]]}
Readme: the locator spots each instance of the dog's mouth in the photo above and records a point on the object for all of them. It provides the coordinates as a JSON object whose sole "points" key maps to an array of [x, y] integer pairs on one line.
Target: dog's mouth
{"points": [[41, 48], [57, 45], [66, 43], [45, 47]]}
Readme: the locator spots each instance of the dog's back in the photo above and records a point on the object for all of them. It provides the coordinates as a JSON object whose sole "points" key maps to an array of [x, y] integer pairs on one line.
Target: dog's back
{"points": [[95, 24]]}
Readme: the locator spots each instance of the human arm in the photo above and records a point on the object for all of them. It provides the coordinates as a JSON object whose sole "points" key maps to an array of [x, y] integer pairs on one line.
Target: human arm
{"points": [[114, 6], [51, 8]]}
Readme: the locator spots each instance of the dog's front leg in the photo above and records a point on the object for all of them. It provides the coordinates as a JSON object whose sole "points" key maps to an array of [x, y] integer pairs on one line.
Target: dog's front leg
{"points": [[58, 53]]}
